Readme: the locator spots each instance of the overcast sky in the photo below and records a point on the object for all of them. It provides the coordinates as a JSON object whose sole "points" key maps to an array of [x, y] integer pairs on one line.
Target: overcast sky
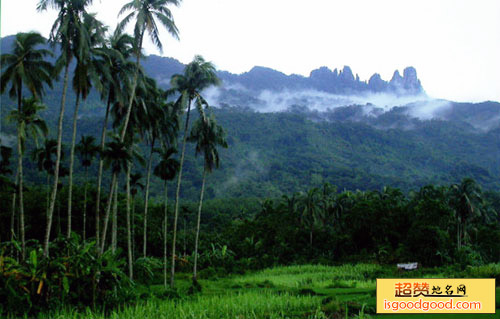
{"points": [[453, 44]]}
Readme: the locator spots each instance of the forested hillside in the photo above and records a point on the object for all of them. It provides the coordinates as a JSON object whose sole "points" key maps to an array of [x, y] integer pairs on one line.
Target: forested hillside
{"points": [[275, 153]]}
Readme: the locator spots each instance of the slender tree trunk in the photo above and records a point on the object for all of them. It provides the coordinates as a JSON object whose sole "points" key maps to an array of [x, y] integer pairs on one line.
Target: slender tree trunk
{"points": [[146, 199], [165, 224], [48, 196], [133, 227], [71, 163], [129, 234], [20, 170], [177, 193], [114, 225], [108, 211], [58, 163], [99, 175], [195, 278], [13, 213], [134, 85], [85, 204]]}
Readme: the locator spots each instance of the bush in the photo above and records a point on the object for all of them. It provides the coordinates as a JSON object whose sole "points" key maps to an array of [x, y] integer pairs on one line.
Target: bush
{"points": [[74, 274]]}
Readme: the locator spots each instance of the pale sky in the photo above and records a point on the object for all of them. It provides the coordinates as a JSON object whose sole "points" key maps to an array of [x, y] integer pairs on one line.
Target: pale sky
{"points": [[453, 44]]}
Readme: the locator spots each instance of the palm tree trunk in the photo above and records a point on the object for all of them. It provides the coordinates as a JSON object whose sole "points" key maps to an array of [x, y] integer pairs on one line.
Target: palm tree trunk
{"points": [[13, 213], [99, 175], [58, 163], [48, 196], [85, 204], [129, 234], [165, 223], [71, 163], [20, 169], [108, 211], [195, 279], [114, 221], [132, 226], [146, 199], [177, 193], [13, 217], [134, 85], [20, 184]]}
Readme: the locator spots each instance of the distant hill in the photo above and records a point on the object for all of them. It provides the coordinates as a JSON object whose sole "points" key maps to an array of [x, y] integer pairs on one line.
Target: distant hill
{"points": [[288, 132]]}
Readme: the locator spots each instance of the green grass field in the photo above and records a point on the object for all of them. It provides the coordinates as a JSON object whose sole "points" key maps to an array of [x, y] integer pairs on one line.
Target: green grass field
{"points": [[284, 292]]}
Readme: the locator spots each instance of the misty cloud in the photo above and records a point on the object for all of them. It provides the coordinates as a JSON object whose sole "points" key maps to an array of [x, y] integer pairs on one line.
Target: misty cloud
{"points": [[418, 106]]}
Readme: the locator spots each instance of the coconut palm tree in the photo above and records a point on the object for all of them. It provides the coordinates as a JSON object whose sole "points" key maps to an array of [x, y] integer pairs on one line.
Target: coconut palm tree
{"points": [[25, 67], [132, 187], [28, 122], [208, 136], [68, 33], [114, 72], [83, 76], [198, 75], [146, 14], [87, 149], [166, 170], [43, 157], [149, 123], [310, 210], [117, 155], [465, 198]]}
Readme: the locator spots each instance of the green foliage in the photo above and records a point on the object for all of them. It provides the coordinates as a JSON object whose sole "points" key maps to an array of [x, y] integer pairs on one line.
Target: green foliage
{"points": [[72, 275]]}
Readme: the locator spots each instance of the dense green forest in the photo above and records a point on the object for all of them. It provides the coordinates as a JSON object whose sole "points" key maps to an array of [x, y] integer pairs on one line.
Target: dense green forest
{"points": [[118, 193]]}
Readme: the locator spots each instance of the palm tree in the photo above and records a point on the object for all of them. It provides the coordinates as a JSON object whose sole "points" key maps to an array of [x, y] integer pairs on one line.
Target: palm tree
{"points": [[207, 135], [84, 71], [465, 199], [150, 126], [310, 210], [198, 75], [114, 72], [28, 122], [43, 157], [166, 171], [135, 185], [67, 31], [117, 156], [87, 150], [25, 66], [146, 13], [132, 186]]}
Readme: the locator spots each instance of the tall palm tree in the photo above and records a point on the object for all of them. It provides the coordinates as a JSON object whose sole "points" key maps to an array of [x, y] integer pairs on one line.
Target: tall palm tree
{"points": [[67, 31], [25, 66], [309, 211], [166, 170], [150, 127], [82, 83], [465, 199], [116, 156], [132, 185], [198, 75], [87, 150], [43, 156], [146, 14], [208, 136], [28, 122], [114, 71]]}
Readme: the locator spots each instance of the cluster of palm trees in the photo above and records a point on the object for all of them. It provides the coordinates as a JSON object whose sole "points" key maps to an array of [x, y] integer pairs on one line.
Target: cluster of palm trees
{"points": [[138, 108]]}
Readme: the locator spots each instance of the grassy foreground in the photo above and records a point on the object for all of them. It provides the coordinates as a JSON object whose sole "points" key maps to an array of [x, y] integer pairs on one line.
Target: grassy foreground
{"points": [[284, 292]]}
